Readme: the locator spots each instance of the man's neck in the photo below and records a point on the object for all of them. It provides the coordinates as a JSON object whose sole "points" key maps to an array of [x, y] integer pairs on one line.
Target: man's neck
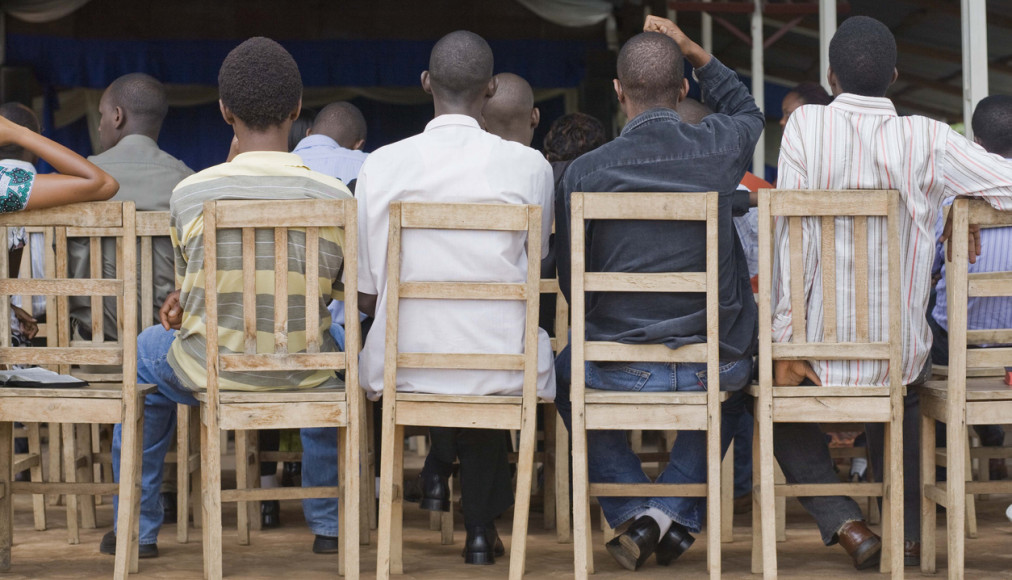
{"points": [[271, 139], [472, 110]]}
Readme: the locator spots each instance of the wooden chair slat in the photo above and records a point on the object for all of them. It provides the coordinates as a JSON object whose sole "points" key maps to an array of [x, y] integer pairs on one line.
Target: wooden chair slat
{"points": [[673, 282]]}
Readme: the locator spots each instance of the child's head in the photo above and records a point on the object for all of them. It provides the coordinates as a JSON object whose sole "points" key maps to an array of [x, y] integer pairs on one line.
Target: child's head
{"points": [[259, 85]]}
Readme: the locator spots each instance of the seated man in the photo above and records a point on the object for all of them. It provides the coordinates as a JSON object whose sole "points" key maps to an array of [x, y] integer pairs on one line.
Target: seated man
{"points": [[511, 113], [333, 145], [260, 91], [927, 162], [455, 161], [656, 151]]}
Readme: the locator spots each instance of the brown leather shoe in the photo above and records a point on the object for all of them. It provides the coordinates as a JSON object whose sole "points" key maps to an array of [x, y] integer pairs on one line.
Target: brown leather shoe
{"points": [[861, 544], [911, 553]]}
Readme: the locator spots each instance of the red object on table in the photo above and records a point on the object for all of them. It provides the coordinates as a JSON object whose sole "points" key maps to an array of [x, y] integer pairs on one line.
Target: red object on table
{"points": [[1008, 376]]}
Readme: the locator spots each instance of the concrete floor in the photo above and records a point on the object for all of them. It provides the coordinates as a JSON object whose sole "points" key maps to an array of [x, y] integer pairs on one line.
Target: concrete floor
{"points": [[285, 552]]}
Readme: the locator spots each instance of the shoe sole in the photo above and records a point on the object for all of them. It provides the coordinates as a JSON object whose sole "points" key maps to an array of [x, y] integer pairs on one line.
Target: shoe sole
{"points": [[479, 558], [141, 554], [625, 552], [435, 505], [868, 554]]}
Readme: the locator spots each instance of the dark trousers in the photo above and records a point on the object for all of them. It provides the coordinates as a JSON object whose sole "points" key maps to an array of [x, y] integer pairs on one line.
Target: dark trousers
{"points": [[486, 485]]}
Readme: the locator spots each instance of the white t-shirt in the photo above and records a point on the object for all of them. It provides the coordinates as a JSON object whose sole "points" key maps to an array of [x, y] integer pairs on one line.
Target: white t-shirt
{"points": [[452, 161]]}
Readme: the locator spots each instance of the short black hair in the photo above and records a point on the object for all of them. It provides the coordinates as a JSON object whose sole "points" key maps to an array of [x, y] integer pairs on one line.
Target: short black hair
{"points": [[460, 65], [992, 124], [650, 69], [18, 114], [260, 83], [572, 135], [810, 93], [862, 54], [343, 122], [141, 96]]}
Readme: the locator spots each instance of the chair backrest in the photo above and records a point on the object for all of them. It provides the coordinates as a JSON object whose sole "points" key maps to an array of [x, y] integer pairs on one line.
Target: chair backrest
{"points": [[825, 211], [281, 218], [685, 207], [961, 286], [151, 225], [464, 217], [98, 219]]}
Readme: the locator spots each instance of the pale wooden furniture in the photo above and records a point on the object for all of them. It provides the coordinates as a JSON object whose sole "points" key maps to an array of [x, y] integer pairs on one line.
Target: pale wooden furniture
{"points": [[98, 403], [964, 398], [828, 403], [488, 412], [557, 503], [599, 409], [282, 409]]}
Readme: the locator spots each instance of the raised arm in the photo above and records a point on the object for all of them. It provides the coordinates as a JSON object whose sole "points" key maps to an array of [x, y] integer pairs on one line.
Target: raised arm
{"points": [[79, 180]]}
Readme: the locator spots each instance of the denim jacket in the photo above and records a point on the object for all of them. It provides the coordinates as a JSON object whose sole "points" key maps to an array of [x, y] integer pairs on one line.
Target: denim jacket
{"points": [[658, 152]]}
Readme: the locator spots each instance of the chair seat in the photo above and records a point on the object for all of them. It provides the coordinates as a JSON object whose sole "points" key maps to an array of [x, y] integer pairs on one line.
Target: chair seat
{"points": [[977, 389]]}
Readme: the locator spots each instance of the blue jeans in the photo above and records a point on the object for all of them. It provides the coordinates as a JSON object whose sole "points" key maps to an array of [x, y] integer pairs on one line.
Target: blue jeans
{"points": [[611, 460], [160, 425]]}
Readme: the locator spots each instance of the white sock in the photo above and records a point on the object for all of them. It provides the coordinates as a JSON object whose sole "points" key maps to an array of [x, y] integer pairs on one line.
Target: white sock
{"points": [[663, 520], [268, 481]]}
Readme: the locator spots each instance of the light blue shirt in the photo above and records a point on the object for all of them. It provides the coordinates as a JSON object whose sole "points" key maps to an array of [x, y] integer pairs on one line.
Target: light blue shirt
{"points": [[995, 256], [322, 154]]}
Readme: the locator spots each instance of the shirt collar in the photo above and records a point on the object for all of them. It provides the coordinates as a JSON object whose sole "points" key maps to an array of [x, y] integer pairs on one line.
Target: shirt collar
{"points": [[447, 120], [851, 103], [648, 116], [317, 139], [269, 158]]}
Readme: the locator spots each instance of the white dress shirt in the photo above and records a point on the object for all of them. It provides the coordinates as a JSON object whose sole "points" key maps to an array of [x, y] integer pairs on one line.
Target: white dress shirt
{"points": [[452, 161], [861, 143]]}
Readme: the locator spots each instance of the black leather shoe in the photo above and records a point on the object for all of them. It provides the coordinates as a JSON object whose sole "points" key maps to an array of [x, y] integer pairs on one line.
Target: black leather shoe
{"points": [[325, 544], [673, 544], [108, 546], [435, 492], [270, 514], [634, 546], [291, 474], [169, 505], [482, 545]]}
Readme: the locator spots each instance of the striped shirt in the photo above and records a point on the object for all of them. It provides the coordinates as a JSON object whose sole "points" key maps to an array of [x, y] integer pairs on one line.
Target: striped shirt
{"points": [[861, 143], [255, 175], [995, 256]]}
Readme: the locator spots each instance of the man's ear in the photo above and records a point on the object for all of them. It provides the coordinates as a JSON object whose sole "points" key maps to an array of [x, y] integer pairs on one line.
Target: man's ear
{"points": [[896, 75], [683, 91], [618, 90], [295, 114], [358, 145], [119, 118], [426, 82], [493, 85], [226, 113], [535, 118], [977, 140], [834, 83]]}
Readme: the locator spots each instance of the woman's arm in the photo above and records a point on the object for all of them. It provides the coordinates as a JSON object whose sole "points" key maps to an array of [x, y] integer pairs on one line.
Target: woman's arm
{"points": [[79, 180]]}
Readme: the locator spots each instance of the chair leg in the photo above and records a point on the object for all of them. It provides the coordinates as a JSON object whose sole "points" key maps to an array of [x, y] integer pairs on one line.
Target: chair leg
{"points": [[38, 499], [781, 504], [563, 503], [85, 474], [767, 497], [550, 459], [386, 522], [582, 538], [892, 501], [242, 482], [955, 452], [343, 497], [525, 475], [210, 448], [96, 449], [182, 473], [54, 460], [6, 495], [397, 511], [713, 496], [727, 496], [352, 515], [67, 431], [757, 528], [253, 478], [971, 502], [928, 513], [128, 523], [196, 485], [367, 486]]}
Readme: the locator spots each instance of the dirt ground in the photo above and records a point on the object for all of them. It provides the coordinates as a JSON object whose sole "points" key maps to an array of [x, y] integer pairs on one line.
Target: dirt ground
{"points": [[285, 552]]}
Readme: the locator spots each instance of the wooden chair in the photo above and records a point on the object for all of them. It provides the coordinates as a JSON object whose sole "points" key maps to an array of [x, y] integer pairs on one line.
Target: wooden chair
{"points": [[557, 503], [282, 409], [97, 403], [488, 412], [599, 409], [828, 403], [965, 397]]}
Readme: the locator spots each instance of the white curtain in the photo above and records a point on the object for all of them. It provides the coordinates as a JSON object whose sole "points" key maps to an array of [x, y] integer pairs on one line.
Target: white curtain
{"points": [[572, 13], [40, 10]]}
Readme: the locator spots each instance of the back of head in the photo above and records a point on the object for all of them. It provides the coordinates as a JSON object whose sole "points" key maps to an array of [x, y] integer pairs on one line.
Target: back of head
{"points": [[143, 99], [260, 83], [343, 122], [300, 127], [992, 124], [460, 66], [862, 55], [572, 135], [508, 113], [810, 93], [651, 70], [692, 111], [19, 115]]}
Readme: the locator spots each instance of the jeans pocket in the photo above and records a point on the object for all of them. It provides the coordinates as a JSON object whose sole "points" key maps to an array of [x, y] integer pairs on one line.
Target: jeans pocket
{"points": [[734, 375], [618, 377]]}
